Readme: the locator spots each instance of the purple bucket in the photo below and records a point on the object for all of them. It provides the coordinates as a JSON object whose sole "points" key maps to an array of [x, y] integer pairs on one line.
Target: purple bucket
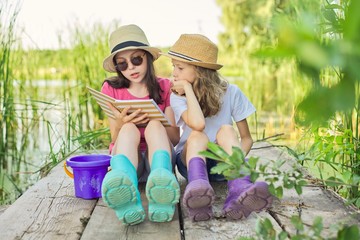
{"points": [[88, 173]]}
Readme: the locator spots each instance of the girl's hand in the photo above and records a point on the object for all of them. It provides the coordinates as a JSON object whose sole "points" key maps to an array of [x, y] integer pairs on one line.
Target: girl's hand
{"points": [[178, 86], [123, 117]]}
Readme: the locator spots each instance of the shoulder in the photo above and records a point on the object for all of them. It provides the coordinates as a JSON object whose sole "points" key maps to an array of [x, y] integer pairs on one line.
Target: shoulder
{"points": [[233, 88], [108, 90], [117, 93], [164, 83], [106, 87]]}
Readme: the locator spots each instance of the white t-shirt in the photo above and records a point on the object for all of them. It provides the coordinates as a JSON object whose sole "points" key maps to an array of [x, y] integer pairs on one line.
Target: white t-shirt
{"points": [[236, 107]]}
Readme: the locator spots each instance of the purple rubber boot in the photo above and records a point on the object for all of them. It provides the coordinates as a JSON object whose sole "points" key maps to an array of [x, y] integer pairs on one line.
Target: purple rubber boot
{"points": [[199, 195], [244, 197]]}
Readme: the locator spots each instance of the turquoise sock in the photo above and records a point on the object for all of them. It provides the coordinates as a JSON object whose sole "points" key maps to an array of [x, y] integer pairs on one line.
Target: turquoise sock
{"points": [[162, 188], [161, 159], [120, 191]]}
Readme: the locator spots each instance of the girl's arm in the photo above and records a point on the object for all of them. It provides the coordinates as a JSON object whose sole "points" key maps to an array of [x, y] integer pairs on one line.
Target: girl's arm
{"points": [[173, 132], [193, 116], [246, 140]]}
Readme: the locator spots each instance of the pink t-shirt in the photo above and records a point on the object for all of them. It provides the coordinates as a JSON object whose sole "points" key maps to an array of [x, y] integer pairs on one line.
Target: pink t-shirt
{"points": [[123, 93]]}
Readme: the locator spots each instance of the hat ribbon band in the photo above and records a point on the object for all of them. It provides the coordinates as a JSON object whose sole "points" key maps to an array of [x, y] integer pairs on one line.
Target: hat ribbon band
{"points": [[128, 44], [183, 56]]}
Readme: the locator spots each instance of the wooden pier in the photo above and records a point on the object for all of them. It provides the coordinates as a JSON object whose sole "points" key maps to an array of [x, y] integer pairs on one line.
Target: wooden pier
{"points": [[50, 210]]}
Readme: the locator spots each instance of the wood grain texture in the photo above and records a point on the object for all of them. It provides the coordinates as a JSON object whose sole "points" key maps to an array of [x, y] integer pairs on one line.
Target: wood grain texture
{"points": [[47, 210], [105, 225]]}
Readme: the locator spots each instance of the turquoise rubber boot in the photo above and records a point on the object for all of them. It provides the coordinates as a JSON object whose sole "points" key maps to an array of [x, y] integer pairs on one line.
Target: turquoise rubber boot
{"points": [[162, 188], [120, 191]]}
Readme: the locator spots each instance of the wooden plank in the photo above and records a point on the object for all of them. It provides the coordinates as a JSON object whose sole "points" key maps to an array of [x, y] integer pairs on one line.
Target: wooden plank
{"points": [[3, 208], [313, 202], [105, 225], [47, 210]]}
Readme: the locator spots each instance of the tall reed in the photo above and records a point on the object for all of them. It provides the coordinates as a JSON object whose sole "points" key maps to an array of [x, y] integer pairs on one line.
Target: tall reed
{"points": [[8, 137]]}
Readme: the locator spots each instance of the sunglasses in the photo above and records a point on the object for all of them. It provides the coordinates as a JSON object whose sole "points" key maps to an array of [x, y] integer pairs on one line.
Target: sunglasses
{"points": [[136, 61]]}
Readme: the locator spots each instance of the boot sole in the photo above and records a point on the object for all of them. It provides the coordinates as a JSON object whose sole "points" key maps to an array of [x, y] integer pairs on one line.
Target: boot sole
{"points": [[120, 194], [255, 199], [163, 192], [198, 198]]}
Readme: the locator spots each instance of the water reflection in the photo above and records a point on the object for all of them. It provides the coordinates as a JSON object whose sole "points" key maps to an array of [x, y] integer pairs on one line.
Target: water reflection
{"points": [[40, 128]]}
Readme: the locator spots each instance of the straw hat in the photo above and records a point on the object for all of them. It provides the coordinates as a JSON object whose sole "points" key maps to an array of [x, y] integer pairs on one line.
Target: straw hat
{"points": [[195, 49], [127, 37]]}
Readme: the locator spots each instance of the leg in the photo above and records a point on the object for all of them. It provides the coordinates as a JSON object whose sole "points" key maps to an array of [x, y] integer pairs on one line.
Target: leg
{"points": [[120, 185], [227, 137], [156, 139], [199, 195], [127, 143], [162, 188]]}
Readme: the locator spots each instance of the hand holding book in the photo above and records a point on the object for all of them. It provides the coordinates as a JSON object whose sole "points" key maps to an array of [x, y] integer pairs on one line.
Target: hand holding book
{"points": [[129, 115], [147, 106]]}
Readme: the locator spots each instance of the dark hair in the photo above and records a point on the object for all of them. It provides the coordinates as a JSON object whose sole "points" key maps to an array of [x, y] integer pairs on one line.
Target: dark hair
{"points": [[152, 84]]}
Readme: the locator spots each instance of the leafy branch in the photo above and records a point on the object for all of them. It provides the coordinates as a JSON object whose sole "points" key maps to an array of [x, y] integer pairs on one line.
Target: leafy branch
{"points": [[237, 166]]}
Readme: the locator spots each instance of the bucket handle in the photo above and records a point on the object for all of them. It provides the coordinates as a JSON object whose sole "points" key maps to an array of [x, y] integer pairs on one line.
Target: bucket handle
{"points": [[67, 171]]}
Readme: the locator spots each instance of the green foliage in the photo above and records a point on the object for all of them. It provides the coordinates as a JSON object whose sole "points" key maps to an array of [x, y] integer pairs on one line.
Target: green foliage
{"points": [[247, 27], [336, 149], [317, 47], [235, 166], [9, 116]]}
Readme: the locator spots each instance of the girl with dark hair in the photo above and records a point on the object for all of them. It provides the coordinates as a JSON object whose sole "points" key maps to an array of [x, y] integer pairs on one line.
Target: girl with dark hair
{"points": [[142, 149]]}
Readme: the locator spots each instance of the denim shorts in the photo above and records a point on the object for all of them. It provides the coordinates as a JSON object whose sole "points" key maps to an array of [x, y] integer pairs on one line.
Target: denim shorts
{"points": [[209, 164]]}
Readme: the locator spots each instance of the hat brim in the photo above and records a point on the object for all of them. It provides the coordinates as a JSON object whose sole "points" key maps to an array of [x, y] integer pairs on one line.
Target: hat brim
{"points": [[213, 66], [108, 63]]}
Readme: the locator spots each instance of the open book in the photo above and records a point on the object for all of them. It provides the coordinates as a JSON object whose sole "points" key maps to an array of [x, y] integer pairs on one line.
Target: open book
{"points": [[148, 106]]}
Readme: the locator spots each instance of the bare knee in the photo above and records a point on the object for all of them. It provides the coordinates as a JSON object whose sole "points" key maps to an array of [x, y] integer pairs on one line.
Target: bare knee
{"points": [[197, 139], [129, 128], [225, 132], [154, 128], [129, 132]]}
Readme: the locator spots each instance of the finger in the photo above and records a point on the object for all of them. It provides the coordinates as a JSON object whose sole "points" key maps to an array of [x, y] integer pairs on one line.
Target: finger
{"points": [[112, 108], [177, 86], [115, 111], [141, 118], [134, 114], [125, 111]]}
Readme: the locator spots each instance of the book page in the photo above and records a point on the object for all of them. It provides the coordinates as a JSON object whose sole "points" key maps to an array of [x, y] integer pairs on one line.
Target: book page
{"points": [[148, 106]]}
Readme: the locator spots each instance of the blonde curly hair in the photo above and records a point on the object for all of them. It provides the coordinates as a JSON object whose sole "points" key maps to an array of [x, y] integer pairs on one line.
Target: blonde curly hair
{"points": [[209, 87]]}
